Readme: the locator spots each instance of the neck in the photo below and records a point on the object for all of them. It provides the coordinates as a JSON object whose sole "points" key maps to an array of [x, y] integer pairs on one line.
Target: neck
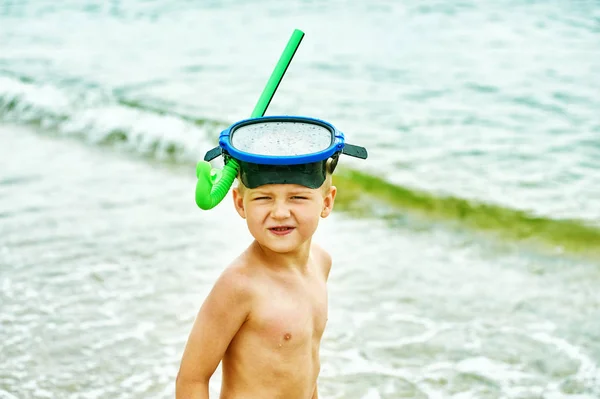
{"points": [[297, 259]]}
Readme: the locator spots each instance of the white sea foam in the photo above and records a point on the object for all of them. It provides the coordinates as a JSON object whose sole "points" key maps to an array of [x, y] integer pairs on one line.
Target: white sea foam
{"points": [[99, 118]]}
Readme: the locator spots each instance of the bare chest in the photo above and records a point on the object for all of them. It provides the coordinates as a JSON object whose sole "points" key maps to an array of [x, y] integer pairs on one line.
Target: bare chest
{"points": [[291, 317]]}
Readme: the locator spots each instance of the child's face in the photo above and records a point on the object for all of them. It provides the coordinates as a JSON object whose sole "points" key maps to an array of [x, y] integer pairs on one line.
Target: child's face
{"points": [[283, 216]]}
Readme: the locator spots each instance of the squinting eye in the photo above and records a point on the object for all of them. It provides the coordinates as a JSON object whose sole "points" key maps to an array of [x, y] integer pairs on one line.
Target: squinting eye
{"points": [[260, 198], [299, 197]]}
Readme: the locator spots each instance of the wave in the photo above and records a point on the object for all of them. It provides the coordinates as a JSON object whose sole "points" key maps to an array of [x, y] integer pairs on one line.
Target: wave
{"points": [[104, 119], [99, 117], [367, 195]]}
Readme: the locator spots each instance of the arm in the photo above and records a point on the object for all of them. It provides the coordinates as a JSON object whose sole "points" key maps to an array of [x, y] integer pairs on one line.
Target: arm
{"points": [[223, 312], [324, 260], [326, 264]]}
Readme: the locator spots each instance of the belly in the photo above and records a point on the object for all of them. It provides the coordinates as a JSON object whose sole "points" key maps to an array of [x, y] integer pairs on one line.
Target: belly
{"points": [[269, 363], [269, 375]]}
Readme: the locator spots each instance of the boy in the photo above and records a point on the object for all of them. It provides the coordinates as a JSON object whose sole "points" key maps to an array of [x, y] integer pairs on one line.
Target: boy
{"points": [[265, 315]]}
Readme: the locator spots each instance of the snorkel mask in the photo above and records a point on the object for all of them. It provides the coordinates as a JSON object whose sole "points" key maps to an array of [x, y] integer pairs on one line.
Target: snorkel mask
{"points": [[272, 149]]}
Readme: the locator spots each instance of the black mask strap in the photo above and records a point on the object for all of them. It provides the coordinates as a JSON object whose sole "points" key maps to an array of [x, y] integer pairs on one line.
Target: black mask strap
{"points": [[355, 151], [212, 154]]}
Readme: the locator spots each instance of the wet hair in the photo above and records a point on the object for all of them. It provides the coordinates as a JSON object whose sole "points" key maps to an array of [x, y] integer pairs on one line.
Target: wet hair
{"points": [[330, 166]]}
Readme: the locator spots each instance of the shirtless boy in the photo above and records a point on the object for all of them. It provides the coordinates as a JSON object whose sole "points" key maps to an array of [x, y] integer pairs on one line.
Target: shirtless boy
{"points": [[265, 316]]}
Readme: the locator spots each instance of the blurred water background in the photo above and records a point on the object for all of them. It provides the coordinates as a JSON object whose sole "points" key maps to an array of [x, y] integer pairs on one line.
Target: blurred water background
{"points": [[472, 111]]}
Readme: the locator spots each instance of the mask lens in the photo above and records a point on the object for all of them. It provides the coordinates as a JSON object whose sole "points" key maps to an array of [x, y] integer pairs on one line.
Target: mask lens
{"points": [[281, 138]]}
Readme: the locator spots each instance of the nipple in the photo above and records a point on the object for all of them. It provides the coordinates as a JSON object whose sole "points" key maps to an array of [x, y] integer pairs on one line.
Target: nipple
{"points": [[286, 337]]}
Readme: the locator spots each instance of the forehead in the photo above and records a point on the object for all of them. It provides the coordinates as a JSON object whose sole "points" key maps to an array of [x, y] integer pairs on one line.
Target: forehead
{"points": [[281, 189]]}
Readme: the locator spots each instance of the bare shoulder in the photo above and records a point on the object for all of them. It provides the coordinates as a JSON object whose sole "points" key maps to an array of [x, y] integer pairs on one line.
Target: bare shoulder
{"points": [[323, 258], [231, 292], [236, 280]]}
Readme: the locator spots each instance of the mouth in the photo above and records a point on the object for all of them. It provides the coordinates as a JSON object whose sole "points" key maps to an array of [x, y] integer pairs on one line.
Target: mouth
{"points": [[281, 230]]}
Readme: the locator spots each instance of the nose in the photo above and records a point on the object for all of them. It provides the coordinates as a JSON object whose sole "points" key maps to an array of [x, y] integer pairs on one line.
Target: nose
{"points": [[280, 210]]}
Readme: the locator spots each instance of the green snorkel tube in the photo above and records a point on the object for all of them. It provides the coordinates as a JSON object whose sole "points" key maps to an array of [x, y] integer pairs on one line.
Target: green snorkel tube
{"points": [[213, 184]]}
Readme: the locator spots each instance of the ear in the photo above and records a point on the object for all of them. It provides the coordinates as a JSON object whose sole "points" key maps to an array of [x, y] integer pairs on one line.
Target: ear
{"points": [[328, 201], [238, 202]]}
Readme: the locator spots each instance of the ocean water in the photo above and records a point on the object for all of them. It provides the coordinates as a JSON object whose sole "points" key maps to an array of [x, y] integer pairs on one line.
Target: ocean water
{"points": [[104, 259]]}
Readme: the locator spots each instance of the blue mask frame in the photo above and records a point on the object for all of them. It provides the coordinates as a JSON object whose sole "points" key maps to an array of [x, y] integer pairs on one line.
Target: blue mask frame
{"points": [[338, 144]]}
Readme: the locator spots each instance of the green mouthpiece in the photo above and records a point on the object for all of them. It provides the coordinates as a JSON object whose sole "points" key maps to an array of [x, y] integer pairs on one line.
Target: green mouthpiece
{"points": [[213, 184]]}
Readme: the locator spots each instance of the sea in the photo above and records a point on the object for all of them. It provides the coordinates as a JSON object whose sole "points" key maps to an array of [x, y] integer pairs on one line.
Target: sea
{"points": [[466, 248]]}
